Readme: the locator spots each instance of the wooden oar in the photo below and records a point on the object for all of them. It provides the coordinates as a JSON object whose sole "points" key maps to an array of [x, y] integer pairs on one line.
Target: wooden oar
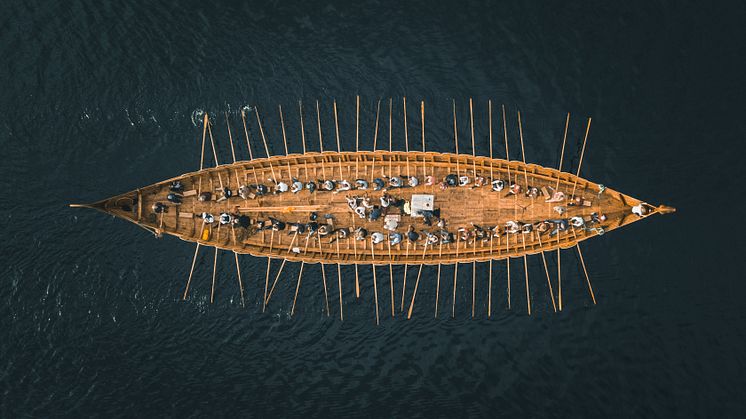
{"points": [[417, 282], [205, 122], [339, 148], [455, 276], [233, 148], [339, 283], [580, 162], [357, 174], [297, 287], [507, 236], [559, 277], [455, 140], [562, 153], [354, 246], [214, 270], [375, 281], [303, 135], [391, 125], [406, 135], [492, 175], [321, 142], [201, 166], [339, 279], [422, 118], [474, 162], [248, 145], [528, 294], [214, 153], [375, 138], [357, 149], [240, 282], [264, 140], [489, 106], [473, 148], [507, 151], [559, 169], [277, 277], [323, 276], [507, 259], [404, 284], [437, 283], [391, 278], [473, 287], [587, 278], [202, 155], [546, 270], [414, 294], [191, 271], [285, 141], [523, 150], [269, 262]]}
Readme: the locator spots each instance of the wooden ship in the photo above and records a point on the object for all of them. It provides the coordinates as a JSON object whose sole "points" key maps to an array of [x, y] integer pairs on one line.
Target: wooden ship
{"points": [[382, 208]]}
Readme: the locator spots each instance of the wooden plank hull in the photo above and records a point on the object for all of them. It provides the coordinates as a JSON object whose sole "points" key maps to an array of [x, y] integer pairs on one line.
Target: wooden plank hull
{"points": [[462, 207]]}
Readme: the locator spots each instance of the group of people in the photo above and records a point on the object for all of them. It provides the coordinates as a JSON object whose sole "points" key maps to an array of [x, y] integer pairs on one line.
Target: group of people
{"points": [[392, 182], [372, 210]]}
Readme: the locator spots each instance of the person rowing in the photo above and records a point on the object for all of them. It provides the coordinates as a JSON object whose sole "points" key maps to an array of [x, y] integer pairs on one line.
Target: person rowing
{"points": [[512, 227], [174, 198], [351, 202], [225, 218], [577, 221], [297, 186], [208, 218], [281, 187], [377, 237], [244, 192], [360, 233], [412, 235], [344, 186], [311, 186], [375, 213], [159, 208]]}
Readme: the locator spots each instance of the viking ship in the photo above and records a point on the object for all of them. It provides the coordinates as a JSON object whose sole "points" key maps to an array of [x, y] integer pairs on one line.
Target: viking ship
{"points": [[382, 208]]}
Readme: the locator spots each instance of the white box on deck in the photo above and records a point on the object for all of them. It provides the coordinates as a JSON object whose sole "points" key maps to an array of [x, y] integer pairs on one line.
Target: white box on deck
{"points": [[422, 202]]}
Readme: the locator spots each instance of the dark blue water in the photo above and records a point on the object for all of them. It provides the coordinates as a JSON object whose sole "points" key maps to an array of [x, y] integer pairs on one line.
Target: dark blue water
{"points": [[97, 99]]}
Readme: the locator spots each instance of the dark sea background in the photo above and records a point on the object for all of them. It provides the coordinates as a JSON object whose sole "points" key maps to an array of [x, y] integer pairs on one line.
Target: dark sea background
{"points": [[99, 97]]}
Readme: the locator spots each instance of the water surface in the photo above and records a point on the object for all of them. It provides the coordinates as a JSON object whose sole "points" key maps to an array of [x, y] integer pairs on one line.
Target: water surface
{"points": [[98, 98]]}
